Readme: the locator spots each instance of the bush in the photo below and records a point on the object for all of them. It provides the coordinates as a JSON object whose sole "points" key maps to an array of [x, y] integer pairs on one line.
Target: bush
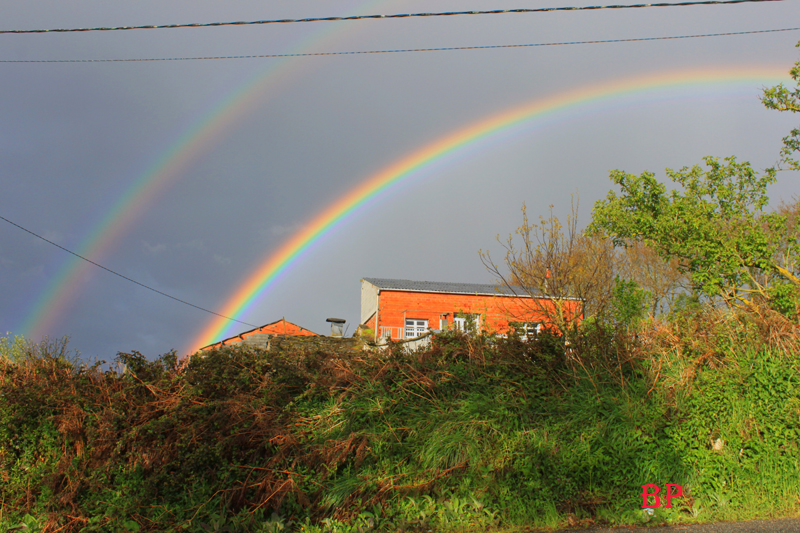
{"points": [[473, 433]]}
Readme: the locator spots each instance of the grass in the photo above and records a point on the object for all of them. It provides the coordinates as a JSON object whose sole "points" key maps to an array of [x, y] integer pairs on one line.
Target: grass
{"points": [[473, 434]]}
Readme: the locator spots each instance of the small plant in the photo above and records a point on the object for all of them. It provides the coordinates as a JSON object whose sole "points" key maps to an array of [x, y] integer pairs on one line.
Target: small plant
{"points": [[28, 524], [275, 524]]}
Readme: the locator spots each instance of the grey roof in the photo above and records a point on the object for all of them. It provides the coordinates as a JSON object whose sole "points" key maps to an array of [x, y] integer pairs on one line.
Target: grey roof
{"points": [[445, 287]]}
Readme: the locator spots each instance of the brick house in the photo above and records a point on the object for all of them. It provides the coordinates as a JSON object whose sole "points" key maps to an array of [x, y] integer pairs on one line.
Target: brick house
{"points": [[259, 337], [404, 309]]}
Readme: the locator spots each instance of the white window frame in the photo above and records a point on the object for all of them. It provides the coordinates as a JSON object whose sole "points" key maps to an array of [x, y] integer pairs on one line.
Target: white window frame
{"points": [[528, 330], [415, 327], [460, 322]]}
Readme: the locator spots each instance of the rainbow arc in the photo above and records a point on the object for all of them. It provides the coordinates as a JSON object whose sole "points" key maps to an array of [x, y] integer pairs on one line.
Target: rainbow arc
{"points": [[145, 189], [685, 83]]}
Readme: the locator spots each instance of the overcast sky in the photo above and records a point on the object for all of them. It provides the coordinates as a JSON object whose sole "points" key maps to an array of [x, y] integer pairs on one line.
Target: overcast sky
{"points": [[292, 135]]}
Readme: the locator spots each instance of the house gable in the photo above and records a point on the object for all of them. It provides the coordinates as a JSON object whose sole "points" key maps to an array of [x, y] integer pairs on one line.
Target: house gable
{"points": [[259, 337], [369, 300]]}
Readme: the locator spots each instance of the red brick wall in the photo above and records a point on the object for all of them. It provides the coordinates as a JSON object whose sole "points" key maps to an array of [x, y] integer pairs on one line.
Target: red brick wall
{"points": [[281, 327], [284, 327], [496, 311]]}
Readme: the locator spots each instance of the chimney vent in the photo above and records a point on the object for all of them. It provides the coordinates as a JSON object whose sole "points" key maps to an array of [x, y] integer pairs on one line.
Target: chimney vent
{"points": [[337, 324]]}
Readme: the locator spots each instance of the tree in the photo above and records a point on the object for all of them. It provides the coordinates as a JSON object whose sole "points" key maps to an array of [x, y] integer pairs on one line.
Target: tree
{"points": [[628, 302], [661, 280], [783, 99], [561, 264], [556, 264], [713, 222]]}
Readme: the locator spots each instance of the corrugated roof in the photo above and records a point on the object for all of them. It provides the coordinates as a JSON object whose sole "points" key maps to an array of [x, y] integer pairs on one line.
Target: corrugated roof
{"points": [[445, 287]]}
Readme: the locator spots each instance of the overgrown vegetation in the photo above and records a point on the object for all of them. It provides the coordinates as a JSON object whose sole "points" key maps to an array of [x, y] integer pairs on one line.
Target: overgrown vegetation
{"points": [[474, 434]]}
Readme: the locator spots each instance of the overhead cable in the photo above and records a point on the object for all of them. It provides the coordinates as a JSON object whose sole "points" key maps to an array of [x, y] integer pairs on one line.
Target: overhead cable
{"points": [[126, 277], [382, 17], [407, 50]]}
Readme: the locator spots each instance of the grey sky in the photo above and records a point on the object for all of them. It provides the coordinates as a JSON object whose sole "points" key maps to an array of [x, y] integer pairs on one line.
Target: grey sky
{"points": [[74, 136]]}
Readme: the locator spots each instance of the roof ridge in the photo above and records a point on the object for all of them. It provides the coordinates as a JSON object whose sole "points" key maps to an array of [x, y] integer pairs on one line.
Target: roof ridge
{"points": [[447, 286]]}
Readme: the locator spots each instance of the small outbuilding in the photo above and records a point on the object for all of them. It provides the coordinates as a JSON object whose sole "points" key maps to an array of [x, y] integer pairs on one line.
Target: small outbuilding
{"points": [[260, 337]]}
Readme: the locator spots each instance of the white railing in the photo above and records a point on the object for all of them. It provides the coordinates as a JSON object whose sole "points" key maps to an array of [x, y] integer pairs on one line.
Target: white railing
{"points": [[394, 333]]}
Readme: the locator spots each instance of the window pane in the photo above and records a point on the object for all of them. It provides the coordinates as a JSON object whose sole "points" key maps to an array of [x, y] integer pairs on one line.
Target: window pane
{"points": [[415, 327]]}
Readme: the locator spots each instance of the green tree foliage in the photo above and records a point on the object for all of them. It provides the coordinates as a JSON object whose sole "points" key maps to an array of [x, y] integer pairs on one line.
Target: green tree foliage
{"points": [[661, 280], [712, 220], [784, 99], [713, 223], [628, 303], [12, 348]]}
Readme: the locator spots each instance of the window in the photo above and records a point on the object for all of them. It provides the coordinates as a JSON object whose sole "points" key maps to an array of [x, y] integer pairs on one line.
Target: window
{"points": [[527, 330], [467, 322], [415, 327]]}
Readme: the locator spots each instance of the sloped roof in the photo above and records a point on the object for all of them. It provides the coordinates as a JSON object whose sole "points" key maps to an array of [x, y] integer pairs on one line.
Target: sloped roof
{"points": [[279, 327], [487, 289]]}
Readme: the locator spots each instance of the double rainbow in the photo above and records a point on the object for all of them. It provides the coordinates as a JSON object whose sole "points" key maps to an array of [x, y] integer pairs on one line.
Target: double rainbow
{"points": [[62, 289]]}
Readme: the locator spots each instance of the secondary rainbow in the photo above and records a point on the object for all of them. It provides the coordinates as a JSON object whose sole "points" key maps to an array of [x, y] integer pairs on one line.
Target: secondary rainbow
{"points": [[577, 100], [63, 288]]}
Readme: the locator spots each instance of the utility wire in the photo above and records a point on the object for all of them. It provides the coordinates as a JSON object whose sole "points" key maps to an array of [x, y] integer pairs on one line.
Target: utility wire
{"points": [[446, 49], [381, 17], [125, 277]]}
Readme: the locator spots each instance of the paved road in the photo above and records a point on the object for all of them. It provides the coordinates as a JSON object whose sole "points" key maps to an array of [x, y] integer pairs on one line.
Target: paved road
{"points": [[783, 525]]}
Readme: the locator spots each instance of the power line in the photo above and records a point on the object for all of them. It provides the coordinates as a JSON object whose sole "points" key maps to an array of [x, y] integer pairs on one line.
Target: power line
{"points": [[443, 49], [382, 17], [125, 277]]}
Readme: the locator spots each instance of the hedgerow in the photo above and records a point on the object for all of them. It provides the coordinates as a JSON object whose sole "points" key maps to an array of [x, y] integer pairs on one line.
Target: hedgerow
{"points": [[472, 434]]}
